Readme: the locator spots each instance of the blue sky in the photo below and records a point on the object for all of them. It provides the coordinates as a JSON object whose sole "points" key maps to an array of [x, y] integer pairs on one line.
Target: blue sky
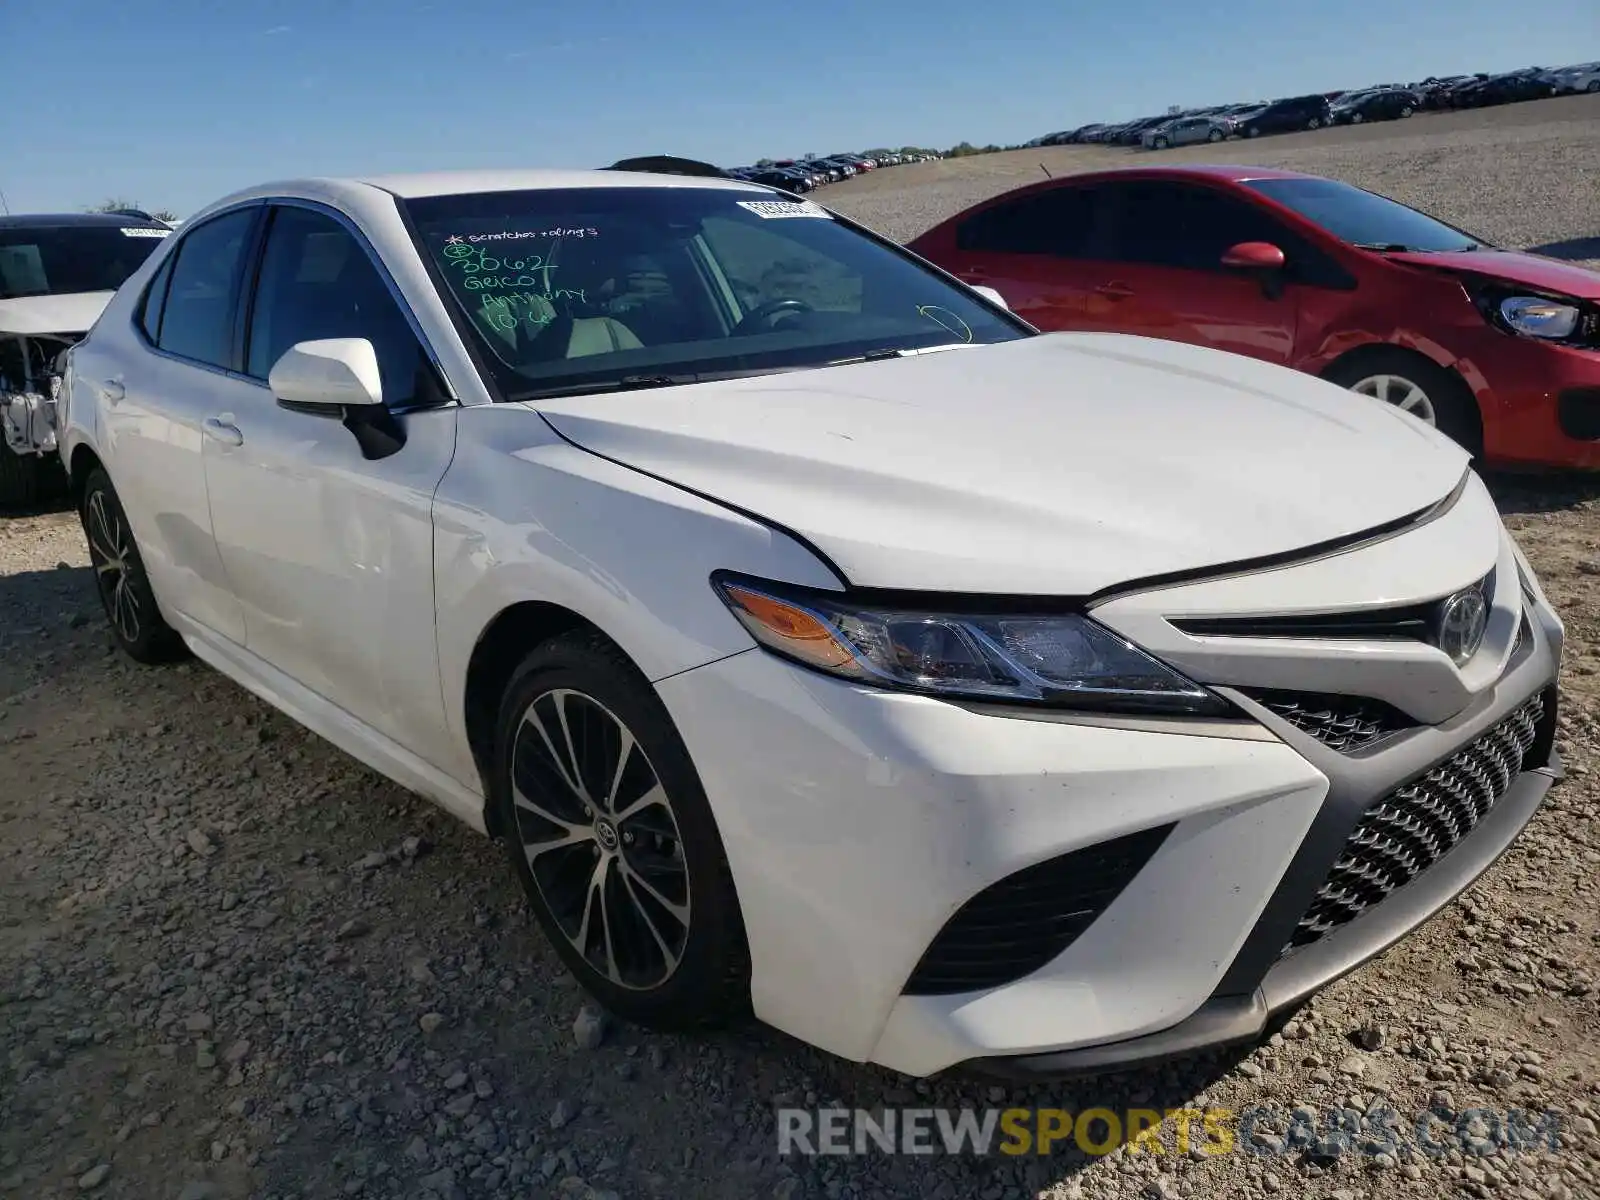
{"points": [[174, 102]]}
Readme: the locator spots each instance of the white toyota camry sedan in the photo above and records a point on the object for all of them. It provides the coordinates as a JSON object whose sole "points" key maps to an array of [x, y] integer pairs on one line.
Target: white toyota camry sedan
{"points": [[820, 640]]}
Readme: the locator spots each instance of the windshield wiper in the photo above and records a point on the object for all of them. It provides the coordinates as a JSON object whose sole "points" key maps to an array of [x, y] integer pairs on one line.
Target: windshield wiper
{"points": [[636, 383], [627, 383], [1387, 247], [889, 352]]}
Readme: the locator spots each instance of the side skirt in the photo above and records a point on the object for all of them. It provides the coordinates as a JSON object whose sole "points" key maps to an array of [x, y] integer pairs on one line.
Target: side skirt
{"points": [[327, 720]]}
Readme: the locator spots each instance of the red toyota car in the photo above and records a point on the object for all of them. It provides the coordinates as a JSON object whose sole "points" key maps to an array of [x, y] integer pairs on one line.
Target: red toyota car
{"points": [[1499, 349]]}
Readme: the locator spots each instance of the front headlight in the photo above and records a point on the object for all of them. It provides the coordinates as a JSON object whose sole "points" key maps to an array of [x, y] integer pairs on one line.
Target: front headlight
{"points": [[1537, 317], [1065, 660]]}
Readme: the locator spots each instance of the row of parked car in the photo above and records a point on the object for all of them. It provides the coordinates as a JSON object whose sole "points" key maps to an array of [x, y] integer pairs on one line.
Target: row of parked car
{"points": [[808, 174], [1291, 114]]}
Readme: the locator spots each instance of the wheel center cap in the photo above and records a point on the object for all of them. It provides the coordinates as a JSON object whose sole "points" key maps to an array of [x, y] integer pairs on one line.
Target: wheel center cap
{"points": [[606, 834]]}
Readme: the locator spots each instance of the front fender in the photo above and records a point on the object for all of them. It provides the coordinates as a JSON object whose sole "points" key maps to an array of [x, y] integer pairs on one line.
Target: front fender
{"points": [[524, 515]]}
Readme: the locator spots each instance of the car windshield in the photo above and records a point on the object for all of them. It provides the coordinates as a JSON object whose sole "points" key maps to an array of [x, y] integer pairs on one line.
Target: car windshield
{"points": [[1364, 218], [592, 289], [61, 260]]}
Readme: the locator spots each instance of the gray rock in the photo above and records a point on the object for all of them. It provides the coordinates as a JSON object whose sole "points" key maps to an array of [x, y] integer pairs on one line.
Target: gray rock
{"points": [[561, 1115], [94, 1177], [430, 1022], [200, 843], [589, 1029]]}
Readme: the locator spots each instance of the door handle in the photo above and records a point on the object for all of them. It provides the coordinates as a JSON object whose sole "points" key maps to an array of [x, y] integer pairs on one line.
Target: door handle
{"points": [[223, 430], [113, 390], [1114, 291]]}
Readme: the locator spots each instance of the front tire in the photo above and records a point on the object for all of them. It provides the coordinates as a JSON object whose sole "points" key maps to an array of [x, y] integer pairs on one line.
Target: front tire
{"points": [[1215, 135], [1314, 123], [607, 827], [1357, 118], [120, 578]]}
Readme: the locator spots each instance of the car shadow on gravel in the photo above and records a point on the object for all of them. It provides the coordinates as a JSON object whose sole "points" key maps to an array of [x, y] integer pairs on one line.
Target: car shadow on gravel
{"points": [[1518, 493], [1578, 249]]}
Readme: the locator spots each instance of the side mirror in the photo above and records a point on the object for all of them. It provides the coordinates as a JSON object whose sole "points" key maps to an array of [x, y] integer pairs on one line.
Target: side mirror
{"points": [[332, 374], [1254, 256], [989, 294]]}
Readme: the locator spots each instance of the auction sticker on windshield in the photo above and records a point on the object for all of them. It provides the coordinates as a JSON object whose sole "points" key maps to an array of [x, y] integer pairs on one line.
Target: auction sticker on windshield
{"points": [[773, 209], [155, 233]]}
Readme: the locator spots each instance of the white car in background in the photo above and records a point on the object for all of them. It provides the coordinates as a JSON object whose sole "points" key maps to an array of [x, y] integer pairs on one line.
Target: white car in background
{"points": [[1581, 78], [56, 274], [818, 637]]}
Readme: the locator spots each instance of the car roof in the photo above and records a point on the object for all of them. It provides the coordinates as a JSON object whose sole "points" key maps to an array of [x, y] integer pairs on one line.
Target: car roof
{"points": [[450, 183], [356, 194], [1231, 173], [78, 220]]}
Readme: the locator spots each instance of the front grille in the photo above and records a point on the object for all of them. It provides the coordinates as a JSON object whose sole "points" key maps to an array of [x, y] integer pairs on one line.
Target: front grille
{"points": [[1342, 723], [1414, 826], [1015, 926]]}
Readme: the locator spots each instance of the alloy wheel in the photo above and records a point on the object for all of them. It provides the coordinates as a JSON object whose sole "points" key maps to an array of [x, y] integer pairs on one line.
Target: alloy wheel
{"points": [[600, 838], [111, 554], [1401, 392]]}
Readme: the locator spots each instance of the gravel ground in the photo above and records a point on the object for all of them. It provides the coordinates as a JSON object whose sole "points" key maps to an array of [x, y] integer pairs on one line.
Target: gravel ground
{"points": [[235, 963]]}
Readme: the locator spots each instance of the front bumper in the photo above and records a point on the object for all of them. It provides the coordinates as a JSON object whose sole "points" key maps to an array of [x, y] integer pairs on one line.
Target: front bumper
{"points": [[1232, 1017], [858, 823], [1540, 402]]}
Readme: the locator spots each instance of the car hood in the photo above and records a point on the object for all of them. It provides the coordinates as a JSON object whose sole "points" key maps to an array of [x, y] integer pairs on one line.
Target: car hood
{"points": [[1546, 274], [73, 313], [1062, 464]]}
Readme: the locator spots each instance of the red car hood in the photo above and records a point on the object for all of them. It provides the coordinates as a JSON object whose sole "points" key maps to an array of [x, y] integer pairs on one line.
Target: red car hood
{"points": [[1546, 274]]}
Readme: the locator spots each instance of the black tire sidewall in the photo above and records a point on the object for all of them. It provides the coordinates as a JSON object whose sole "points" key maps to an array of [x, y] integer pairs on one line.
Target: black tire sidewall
{"points": [[711, 984], [157, 641]]}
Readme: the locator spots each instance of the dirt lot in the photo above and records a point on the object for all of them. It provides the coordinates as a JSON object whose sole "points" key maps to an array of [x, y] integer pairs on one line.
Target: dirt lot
{"points": [[234, 963]]}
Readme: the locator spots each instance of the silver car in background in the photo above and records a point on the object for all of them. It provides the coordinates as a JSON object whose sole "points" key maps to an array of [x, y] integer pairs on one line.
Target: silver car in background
{"points": [[1186, 131]]}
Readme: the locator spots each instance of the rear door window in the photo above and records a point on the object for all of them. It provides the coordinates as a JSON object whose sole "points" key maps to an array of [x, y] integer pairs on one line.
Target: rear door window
{"points": [[197, 321], [1058, 222]]}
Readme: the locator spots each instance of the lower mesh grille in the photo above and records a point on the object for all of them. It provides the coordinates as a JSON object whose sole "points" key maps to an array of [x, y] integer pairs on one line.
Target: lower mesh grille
{"points": [[1413, 827], [1014, 927], [1342, 723]]}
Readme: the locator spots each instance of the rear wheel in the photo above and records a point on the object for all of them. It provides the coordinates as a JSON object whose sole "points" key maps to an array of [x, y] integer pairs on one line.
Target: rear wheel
{"points": [[1357, 118], [1593, 86], [608, 829], [1417, 386], [1160, 143], [1406, 110], [120, 578]]}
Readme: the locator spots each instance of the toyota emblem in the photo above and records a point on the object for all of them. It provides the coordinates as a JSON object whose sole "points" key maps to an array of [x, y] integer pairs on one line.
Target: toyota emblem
{"points": [[1463, 618]]}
